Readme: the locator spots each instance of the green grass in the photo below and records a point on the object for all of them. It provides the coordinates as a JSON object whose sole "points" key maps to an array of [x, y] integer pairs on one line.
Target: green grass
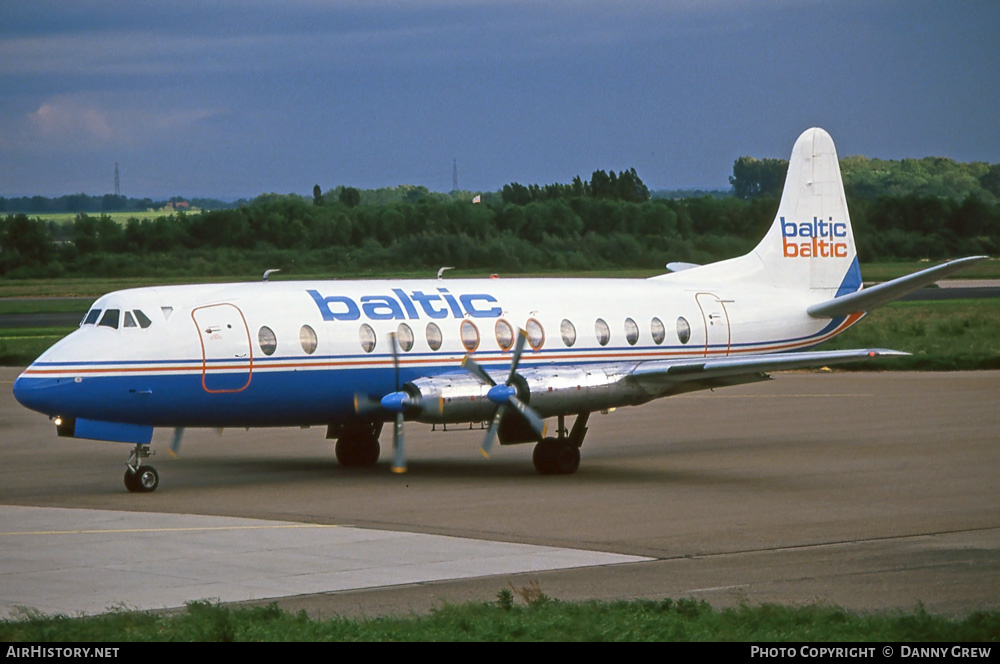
{"points": [[117, 217], [542, 620], [19, 347], [987, 269], [946, 335]]}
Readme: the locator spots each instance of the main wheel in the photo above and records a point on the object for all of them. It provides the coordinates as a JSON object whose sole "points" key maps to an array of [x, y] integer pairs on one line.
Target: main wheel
{"points": [[556, 457], [357, 452]]}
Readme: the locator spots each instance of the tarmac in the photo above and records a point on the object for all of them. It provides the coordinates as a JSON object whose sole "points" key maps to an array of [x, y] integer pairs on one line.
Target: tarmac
{"points": [[871, 491]]}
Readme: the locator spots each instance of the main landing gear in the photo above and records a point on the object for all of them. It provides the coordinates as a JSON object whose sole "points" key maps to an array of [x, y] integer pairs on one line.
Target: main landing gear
{"points": [[561, 455], [357, 443], [140, 478], [358, 452]]}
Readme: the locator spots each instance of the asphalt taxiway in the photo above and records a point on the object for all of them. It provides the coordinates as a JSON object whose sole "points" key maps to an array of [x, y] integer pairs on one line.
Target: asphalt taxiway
{"points": [[871, 491]]}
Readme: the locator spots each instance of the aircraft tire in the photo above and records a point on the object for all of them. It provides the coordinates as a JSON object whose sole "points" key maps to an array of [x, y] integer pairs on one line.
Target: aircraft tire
{"points": [[357, 452], [145, 480], [131, 482], [556, 457]]}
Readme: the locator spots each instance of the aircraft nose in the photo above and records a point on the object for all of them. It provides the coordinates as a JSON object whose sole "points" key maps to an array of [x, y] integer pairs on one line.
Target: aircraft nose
{"points": [[38, 394]]}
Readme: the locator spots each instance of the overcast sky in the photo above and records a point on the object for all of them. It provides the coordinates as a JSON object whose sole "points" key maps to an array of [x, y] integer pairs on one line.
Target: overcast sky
{"points": [[233, 99]]}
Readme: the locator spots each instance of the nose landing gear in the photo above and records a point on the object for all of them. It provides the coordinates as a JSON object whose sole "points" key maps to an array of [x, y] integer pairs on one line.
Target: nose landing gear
{"points": [[140, 478]]}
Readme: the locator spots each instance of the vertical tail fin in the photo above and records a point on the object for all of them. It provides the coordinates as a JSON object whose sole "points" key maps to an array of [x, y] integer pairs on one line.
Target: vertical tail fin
{"points": [[810, 245]]}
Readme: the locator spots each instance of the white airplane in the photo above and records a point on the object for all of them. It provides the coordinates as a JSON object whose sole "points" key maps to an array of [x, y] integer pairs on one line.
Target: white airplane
{"points": [[352, 355]]}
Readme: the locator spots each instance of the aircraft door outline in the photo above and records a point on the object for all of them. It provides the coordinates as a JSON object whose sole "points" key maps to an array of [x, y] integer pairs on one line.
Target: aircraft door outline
{"points": [[715, 318], [226, 348]]}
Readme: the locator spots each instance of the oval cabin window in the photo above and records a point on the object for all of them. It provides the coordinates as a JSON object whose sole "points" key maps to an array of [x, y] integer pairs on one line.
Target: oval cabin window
{"points": [[602, 331], [657, 330], [505, 334], [536, 334], [307, 337], [268, 342], [683, 330], [367, 337], [433, 334], [404, 337], [631, 332], [470, 335], [568, 332]]}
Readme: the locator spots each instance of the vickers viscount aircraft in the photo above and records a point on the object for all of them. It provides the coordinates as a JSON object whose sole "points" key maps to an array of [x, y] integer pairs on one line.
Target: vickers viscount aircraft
{"points": [[352, 355]]}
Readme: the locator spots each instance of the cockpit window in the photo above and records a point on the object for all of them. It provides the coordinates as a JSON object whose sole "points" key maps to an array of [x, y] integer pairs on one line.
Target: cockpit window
{"points": [[129, 320], [144, 321], [110, 318], [92, 317]]}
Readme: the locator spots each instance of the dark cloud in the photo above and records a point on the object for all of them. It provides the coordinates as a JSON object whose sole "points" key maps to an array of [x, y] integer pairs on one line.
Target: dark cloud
{"points": [[236, 98]]}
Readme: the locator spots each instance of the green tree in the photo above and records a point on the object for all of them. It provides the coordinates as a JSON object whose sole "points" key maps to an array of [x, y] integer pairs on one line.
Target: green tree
{"points": [[349, 196]]}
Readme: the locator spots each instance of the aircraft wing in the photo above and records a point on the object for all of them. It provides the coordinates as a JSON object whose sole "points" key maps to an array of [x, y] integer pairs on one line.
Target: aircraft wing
{"points": [[663, 377], [869, 298]]}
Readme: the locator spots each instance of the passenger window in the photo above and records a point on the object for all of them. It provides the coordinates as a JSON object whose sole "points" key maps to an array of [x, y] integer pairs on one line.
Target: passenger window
{"points": [[536, 335], [92, 317], [433, 334], [144, 321], [404, 335], [683, 330], [631, 332], [505, 334], [602, 331], [470, 335], [658, 331], [268, 342], [307, 337], [129, 320], [110, 318], [367, 336], [568, 332]]}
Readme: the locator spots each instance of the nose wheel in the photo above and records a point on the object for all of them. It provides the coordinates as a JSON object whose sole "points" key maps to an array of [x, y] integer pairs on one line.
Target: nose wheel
{"points": [[140, 478]]}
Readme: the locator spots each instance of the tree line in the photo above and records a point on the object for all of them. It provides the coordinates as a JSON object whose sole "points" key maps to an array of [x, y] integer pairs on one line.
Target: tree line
{"points": [[578, 226]]}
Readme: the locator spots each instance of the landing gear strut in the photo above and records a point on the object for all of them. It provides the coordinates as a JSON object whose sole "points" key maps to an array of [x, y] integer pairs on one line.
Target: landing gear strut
{"points": [[140, 478], [561, 456]]}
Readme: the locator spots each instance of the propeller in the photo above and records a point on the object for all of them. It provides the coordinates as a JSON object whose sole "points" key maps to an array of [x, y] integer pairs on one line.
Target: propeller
{"points": [[505, 395], [399, 460], [397, 402]]}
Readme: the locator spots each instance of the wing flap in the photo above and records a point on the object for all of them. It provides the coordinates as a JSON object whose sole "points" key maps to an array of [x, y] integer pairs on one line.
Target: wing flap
{"points": [[663, 376]]}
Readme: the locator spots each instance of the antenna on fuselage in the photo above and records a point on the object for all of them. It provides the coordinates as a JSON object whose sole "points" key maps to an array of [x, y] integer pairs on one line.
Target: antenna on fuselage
{"points": [[441, 271], [267, 273]]}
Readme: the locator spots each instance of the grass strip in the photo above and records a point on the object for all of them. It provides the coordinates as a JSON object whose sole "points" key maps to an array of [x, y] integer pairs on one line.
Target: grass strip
{"points": [[543, 619]]}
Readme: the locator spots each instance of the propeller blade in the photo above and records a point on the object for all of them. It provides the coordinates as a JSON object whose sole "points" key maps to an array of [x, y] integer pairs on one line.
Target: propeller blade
{"points": [[491, 433], [528, 413], [473, 367], [175, 443], [395, 359], [522, 336], [399, 461]]}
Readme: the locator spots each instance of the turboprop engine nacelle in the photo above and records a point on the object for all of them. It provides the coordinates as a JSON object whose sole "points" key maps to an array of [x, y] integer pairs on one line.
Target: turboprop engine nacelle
{"points": [[460, 397], [449, 398]]}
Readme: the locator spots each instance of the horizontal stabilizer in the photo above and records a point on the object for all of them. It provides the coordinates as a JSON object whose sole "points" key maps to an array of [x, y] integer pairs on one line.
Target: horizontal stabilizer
{"points": [[867, 299], [678, 266], [724, 367]]}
